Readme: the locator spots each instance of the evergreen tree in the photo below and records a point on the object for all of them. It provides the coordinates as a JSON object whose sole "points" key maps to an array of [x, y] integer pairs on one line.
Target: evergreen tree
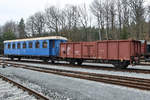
{"points": [[21, 28], [9, 35]]}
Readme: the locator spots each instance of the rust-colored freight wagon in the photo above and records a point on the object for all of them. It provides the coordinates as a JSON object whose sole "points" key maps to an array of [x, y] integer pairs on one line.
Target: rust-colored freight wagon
{"points": [[120, 53]]}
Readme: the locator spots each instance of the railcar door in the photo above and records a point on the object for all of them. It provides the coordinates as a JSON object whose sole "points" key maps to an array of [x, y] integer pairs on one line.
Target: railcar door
{"points": [[52, 47]]}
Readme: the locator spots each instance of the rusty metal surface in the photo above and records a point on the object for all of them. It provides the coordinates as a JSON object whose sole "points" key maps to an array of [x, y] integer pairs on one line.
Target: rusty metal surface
{"points": [[107, 50]]}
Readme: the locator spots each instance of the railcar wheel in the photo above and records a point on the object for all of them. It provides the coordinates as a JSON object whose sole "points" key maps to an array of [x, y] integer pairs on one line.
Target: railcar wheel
{"points": [[12, 58], [19, 58], [53, 62], [121, 65], [72, 62], [45, 60], [79, 62]]}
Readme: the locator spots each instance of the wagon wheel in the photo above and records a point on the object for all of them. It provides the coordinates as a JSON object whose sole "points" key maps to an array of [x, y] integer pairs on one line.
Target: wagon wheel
{"points": [[121, 65], [72, 62], [118, 66], [45, 60], [19, 58], [12, 58], [79, 62], [52, 61]]}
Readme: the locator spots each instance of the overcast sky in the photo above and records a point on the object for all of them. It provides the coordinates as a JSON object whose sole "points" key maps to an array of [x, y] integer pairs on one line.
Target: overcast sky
{"points": [[16, 9]]}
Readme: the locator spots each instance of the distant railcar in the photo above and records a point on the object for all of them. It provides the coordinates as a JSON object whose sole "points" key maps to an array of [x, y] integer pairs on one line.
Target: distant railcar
{"points": [[120, 53], [148, 48], [146, 54], [143, 47], [44, 47]]}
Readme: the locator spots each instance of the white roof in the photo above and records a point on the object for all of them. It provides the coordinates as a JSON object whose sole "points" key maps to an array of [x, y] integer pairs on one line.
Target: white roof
{"points": [[142, 41], [39, 38], [148, 43]]}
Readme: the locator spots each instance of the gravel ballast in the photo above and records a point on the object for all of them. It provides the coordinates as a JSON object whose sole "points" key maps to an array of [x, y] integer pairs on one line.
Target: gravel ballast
{"points": [[66, 88]]}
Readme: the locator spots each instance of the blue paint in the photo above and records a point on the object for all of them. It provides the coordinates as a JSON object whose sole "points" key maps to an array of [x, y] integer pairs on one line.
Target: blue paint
{"points": [[49, 51]]}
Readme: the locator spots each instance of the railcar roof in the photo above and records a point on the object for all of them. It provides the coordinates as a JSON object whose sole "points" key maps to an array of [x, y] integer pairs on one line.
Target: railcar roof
{"points": [[38, 38], [148, 43]]}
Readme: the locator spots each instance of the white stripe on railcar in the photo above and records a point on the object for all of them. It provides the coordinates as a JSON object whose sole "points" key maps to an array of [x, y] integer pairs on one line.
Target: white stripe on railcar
{"points": [[39, 38]]}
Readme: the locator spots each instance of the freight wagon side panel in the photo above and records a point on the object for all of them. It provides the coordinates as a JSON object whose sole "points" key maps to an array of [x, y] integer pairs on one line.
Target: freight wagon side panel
{"points": [[69, 48], [112, 50], [102, 50], [77, 50], [124, 50], [63, 50], [89, 50], [135, 48]]}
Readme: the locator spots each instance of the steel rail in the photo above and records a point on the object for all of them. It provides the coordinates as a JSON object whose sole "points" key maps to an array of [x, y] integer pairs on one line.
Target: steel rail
{"points": [[138, 83], [30, 91], [131, 70]]}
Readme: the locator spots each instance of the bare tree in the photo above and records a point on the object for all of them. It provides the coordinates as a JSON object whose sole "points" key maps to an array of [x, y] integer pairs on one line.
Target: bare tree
{"points": [[126, 13], [112, 18], [148, 11], [98, 11], [107, 17], [137, 9], [123, 10], [119, 15], [63, 22], [72, 15], [10, 26], [39, 22], [36, 24], [84, 19], [30, 29], [53, 19]]}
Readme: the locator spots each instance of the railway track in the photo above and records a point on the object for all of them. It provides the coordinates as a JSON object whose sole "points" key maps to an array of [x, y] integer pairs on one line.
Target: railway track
{"points": [[144, 64], [11, 90], [138, 83], [131, 70]]}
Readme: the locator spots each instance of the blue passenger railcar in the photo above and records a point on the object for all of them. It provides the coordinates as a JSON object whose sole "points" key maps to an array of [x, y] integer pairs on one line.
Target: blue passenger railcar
{"points": [[34, 47]]}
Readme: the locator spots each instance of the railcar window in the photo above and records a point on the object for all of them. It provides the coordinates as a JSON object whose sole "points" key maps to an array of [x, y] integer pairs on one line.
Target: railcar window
{"points": [[24, 45], [14, 45], [8, 45], [30, 44], [37, 44], [18, 46], [44, 44], [53, 44]]}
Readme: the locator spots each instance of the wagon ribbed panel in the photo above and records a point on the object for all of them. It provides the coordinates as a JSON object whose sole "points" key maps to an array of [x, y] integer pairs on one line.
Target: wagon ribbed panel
{"points": [[106, 50]]}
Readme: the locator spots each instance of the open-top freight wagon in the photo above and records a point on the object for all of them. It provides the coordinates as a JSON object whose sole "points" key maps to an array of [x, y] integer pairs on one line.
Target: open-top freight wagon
{"points": [[120, 53]]}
